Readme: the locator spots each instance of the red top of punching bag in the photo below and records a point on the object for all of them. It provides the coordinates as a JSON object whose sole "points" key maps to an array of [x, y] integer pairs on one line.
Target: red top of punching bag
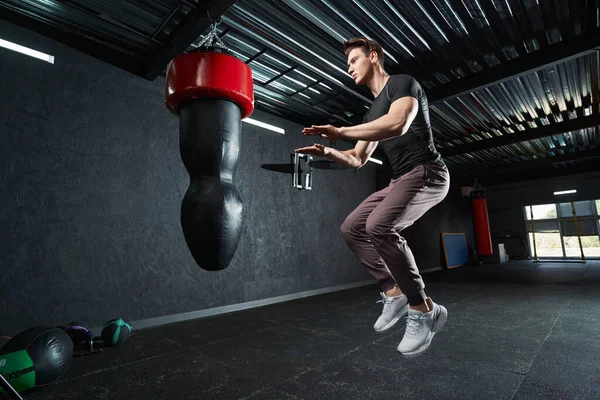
{"points": [[209, 74]]}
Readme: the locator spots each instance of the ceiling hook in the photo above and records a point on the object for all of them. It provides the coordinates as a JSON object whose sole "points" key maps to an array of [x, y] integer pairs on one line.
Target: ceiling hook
{"points": [[213, 22]]}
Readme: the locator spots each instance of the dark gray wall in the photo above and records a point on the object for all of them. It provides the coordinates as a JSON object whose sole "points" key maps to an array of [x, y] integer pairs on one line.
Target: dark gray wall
{"points": [[506, 202], [92, 183], [542, 191], [508, 221], [452, 215]]}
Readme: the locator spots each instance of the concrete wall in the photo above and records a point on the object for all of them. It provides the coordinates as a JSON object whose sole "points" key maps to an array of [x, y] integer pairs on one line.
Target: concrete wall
{"points": [[92, 182]]}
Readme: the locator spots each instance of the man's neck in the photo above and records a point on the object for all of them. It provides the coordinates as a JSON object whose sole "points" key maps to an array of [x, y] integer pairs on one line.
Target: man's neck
{"points": [[378, 83]]}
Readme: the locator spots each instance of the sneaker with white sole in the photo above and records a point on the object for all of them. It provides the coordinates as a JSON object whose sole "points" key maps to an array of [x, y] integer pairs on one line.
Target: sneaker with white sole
{"points": [[393, 309], [420, 328]]}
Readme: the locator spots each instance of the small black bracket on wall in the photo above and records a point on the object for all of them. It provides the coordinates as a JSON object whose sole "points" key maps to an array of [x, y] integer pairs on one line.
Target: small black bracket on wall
{"points": [[302, 171]]}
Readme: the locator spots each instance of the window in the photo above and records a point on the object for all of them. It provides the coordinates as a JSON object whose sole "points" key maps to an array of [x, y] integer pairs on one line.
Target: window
{"points": [[590, 245], [582, 209], [544, 211], [558, 234], [547, 244]]}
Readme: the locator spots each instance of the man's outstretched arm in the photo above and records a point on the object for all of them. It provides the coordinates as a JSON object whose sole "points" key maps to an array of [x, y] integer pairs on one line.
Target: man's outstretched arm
{"points": [[395, 123]]}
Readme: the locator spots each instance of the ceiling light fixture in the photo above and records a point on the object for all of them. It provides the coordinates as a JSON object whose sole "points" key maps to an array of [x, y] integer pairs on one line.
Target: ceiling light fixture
{"points": [[565, 192], [27, 51], [264, 125]]}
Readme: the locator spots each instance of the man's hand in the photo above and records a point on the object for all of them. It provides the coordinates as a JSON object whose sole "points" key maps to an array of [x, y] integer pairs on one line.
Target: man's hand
{"points": [[315, 150], [327, 131]]}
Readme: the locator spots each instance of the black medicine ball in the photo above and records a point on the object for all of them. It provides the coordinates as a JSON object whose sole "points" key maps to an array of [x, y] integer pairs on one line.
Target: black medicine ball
{"points": [[36, 357], [115, 332]]}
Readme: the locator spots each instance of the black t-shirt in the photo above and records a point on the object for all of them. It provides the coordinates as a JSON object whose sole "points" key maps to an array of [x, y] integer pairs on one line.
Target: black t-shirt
{"points": [[416, 146]]}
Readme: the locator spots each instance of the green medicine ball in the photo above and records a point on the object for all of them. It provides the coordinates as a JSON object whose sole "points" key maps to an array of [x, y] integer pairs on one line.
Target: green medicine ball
{"points": [[115, 332]]}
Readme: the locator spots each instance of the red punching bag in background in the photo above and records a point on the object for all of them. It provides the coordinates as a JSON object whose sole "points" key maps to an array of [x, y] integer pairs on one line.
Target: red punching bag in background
{"points": [[482, 224]]}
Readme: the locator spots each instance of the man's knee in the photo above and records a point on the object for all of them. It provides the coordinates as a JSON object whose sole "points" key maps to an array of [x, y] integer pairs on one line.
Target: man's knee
{"points": [[346, 229]]}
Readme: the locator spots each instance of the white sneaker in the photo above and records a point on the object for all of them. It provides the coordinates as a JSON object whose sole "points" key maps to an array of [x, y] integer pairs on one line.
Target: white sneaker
{"points": [[393, 309], [420, 328]]}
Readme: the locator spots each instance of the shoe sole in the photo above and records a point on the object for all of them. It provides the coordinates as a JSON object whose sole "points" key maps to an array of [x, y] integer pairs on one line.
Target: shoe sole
{"points": [[437, 326], [393, 322]]}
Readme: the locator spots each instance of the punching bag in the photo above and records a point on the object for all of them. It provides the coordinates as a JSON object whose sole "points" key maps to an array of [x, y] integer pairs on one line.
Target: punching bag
{"points": [[211, 91], [482, 223]]}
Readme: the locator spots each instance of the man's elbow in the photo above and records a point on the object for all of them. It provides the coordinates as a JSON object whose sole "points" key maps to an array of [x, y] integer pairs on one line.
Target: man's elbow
{"points": [[358, 161], [395, 130], [399, 128], [361, 162]]}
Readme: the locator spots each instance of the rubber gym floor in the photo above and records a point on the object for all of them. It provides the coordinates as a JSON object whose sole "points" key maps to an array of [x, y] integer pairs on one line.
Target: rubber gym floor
{"points": [[519, 330]]}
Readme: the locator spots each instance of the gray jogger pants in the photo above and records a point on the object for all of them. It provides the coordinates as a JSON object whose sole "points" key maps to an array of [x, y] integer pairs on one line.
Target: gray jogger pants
{"points": [[373, 229]]}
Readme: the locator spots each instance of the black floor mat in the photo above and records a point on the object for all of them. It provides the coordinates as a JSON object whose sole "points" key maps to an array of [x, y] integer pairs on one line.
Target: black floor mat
{"points": [[519, 330]]}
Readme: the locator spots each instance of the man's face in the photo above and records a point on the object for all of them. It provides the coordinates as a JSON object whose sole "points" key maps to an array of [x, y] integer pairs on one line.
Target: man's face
{"points": [[360, 66]]}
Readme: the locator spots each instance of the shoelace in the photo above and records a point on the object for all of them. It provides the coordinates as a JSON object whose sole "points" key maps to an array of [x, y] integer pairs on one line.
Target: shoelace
{"points": [[413, 323], [386, 303]]}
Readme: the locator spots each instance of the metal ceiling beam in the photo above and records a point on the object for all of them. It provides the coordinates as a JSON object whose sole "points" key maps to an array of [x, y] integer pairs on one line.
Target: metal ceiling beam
{"points": [[299, 102], [529, 170], [560, 52], [182, 38], [523, 136], [534, 174], [125, 59], [279, 49]]}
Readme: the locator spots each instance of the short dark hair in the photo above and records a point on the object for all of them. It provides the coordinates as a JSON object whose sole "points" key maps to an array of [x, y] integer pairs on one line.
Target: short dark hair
{"points": [[367, 45]]}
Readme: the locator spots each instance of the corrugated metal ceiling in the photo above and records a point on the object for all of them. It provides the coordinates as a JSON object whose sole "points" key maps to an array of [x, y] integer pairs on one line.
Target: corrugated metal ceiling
{"points": [[135, 26], [294, 48]]}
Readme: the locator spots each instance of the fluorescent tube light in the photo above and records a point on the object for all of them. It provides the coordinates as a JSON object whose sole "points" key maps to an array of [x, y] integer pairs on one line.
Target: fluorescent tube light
{"points": [[263, 125], [27, 51], [376, 161], [565, 192]]}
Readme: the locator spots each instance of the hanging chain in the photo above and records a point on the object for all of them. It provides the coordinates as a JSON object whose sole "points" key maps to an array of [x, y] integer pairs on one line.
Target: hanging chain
{"points": [[212, 38]]}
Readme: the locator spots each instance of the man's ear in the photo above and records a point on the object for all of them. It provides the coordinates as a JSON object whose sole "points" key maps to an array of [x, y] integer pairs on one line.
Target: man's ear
{"points": [[373, 56]]}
